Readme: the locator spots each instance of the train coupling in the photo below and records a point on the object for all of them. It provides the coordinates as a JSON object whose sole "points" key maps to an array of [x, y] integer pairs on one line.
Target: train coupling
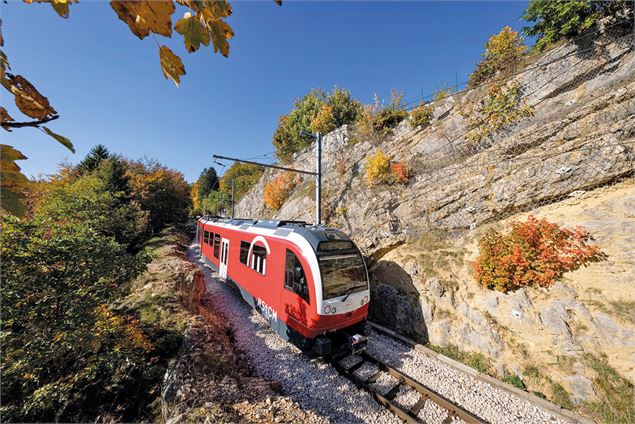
{"points": [[358, 343]]}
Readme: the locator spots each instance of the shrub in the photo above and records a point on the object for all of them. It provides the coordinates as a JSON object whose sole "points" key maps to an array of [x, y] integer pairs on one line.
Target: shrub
{"points": [[66, 355], [324, 121], [389, 116], [556, 20], [502, 51], [534, 253], [501, 106], [345, 109], [245, 176], [400, 172], [278, 190], [378, 168], [364, 129], [420, 116], [443, 92]]}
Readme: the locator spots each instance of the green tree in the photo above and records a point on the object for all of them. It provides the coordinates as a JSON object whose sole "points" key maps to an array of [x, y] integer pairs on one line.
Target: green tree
{"points": [[208, 181], [162, 192], [116, 180], [316, 110], [93, 159], [346, 110], [556, 20], [66, 355], [87, 200], [245, 177]]}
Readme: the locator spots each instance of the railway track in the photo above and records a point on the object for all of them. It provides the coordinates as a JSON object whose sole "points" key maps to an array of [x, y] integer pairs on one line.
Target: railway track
{"points": [[367, 372]]}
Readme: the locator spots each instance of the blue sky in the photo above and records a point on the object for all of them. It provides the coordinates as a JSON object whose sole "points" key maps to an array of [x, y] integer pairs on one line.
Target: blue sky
{"points": [[108, 87]]}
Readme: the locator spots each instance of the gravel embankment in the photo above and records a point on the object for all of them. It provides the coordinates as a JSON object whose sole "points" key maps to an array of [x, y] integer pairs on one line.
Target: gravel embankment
{"points": [[488, 402], [315, 385]]}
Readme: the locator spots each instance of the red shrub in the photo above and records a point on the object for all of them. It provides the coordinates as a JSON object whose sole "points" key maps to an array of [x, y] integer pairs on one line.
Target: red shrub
{"points": [[400, 172], [534, 253]]}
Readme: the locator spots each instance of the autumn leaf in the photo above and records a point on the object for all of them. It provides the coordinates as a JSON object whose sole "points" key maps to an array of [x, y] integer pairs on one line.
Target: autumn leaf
{"points": [[194, 32], [12, 180], [61, 139], [5, 117], [60, 6], [221, 32], [146, 16], [171, 65], [28, 99]]}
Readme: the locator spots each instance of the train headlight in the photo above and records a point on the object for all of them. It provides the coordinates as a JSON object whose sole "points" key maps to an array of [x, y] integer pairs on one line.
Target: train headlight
{"points": [[364, 300], [327, 309]]}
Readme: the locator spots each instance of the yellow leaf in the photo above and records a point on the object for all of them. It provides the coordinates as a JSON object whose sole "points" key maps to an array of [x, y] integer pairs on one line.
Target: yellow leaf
{"points": [[5, 117], [60, 139], [12, 181], [194, 32], [221, 32], [146, 16], [171, 65], [28, 99]]}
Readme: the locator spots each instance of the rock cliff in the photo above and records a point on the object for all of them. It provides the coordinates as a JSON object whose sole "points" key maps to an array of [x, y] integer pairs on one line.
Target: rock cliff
{"points": [[571, 162]]}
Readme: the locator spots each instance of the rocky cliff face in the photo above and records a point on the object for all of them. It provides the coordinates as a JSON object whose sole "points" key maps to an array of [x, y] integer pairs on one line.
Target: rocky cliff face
{"points": [[571, 162]]}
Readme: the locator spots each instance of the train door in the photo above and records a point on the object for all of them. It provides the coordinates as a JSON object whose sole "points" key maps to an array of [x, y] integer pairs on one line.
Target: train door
{"points": [[224, 253]]}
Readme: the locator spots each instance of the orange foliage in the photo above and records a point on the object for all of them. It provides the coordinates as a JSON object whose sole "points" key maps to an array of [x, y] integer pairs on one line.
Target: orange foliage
{"points": [[278, 189], [400, 172], [534, 253]]}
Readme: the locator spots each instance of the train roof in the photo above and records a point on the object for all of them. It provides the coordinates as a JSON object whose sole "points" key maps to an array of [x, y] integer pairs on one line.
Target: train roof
{"points": [[314, 234]]}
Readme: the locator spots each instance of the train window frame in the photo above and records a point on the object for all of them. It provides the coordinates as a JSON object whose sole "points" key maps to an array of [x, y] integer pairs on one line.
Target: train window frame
{"points": [[258, 260], [216, 245], [206, 237], [290, 273], [244, 252]]}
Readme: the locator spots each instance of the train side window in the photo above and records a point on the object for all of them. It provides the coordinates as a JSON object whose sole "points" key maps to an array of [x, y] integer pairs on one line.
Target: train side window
{"points": [[295, 278], [244, 252], [216, 245], [206, 237], [258, 260]]}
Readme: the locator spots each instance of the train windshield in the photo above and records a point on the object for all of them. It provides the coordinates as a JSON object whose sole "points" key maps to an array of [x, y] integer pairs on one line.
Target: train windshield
{"points": [[342, 274]]}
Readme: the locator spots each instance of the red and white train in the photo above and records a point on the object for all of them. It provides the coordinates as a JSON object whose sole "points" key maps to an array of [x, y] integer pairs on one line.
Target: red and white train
{"points": [[309, 282]]}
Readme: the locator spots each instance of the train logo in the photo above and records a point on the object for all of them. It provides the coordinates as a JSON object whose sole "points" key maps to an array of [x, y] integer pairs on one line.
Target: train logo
{"points": [[266, 311]]}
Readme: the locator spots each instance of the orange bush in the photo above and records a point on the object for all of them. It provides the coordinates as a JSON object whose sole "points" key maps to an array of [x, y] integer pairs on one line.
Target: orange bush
{"points": [[278, 189], [400, 172], [534, 253]]}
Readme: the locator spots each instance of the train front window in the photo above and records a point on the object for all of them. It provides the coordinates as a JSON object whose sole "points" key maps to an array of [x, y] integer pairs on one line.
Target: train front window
{"points": [[342, 274]]}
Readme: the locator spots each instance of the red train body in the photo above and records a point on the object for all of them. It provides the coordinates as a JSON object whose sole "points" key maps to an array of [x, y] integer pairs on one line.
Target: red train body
{"points": [[309, 282]]}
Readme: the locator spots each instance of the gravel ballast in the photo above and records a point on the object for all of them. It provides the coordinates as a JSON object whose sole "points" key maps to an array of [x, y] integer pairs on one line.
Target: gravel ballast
{"points": [[482, 399], [317, 387]]}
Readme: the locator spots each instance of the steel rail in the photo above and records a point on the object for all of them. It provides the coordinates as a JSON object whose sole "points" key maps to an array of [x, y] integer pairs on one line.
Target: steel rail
{"points": [[386, 400]]}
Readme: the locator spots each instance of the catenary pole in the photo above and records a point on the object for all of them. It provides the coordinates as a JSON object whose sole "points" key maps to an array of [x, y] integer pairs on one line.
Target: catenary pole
{"points": [[318, 179]]}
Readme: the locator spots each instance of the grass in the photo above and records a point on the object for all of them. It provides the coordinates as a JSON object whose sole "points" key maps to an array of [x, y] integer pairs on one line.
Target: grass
{"points": [[561, 396], [478, 361], [624, 309], [514, 380], [531, 371], [615, 394]]}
